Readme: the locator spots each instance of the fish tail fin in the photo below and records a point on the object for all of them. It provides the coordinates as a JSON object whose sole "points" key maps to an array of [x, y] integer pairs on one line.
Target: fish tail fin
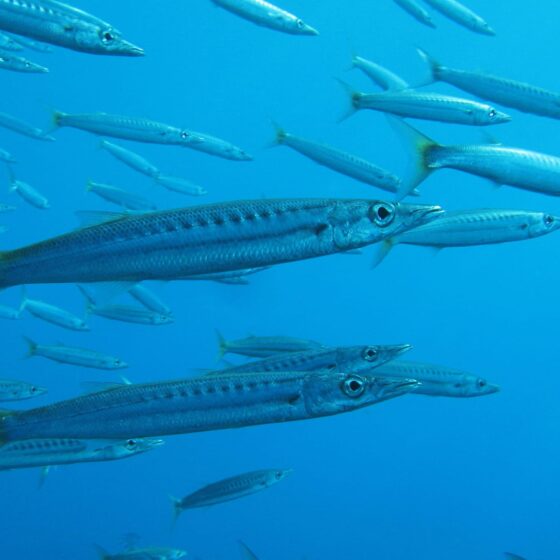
{"points": [[384, 249], [31, 347], [89, 185], [56, 117], [24, 300], [5, 258], [433, 67], [353, 96], [43, 476], [420, 145], [222, 345], [177, 510], [280, 134], [101, 552]]}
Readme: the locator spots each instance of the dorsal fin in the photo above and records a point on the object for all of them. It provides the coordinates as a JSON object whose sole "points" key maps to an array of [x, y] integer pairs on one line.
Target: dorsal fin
{"points": [[89, 218]]}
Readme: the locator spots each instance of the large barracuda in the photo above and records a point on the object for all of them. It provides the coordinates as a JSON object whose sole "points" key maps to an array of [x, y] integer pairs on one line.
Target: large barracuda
{"points": [[202, 404], [236, 235], [462, 15], [62, 25]]}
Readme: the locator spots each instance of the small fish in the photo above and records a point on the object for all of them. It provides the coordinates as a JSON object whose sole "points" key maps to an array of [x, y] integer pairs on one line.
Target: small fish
{"points": [[438, 381], [182, 186], [380, 75], [416, 11], [9, 313], [229, 489], [510, 93], [16, 125], [462, 15], [52, 314], [11, 390], [130, 158], [218, 147], [268, 15], [6, 207], [465, 228], [75, 356], [149, 300], [427, 106], [19, 64], [8, 44], [247, 553], [6, 157], [264, 346], [125, 199], [29, 194], [142, 554], [532, 171], [342, 162]]}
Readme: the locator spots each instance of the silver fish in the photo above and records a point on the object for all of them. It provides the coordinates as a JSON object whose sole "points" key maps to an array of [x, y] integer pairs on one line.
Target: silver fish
{"points": [[6, 157], [428, 106], [181, 186], [416, 11], [29, 194], [149, 300], [482, 226], [8, 44], [462, 15], [510, 93], [175, 244], [232, 277], [439, 380], [142, 554], [62, 25], [503, 165], [264, 346], [52, 314], [380, 75], [130, 158], [130, 314], [75, 356], [202, 404], [267, 15], [12, 390], [15, 63], [21, 127], [229, 489], [342, 162], [125, 199]]}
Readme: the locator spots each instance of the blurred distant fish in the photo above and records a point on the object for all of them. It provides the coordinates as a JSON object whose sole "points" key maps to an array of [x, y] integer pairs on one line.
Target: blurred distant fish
{"points": [[438, 381], [267, 15], [130, 158], [133, 553], [12, 390], [9, 313], [149, 300], [246, 552], [380, 75], [8, 44], [75, 356], [49, 452], [6, 207], [218, 147], [181, 186], [343, 162], [19, 64], [464, 228], [462, 15], [16, 125], [125, 199], [130, 314], [512, 556], [428, 106], [416, 11], [29, 194], [230, 489], [59, 24], [264, 346], [52, 314], [532, 171], [511, 93], [6, 157]]}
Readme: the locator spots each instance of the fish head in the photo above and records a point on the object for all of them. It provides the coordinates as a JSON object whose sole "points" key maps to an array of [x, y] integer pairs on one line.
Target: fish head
{"points": [[116, 363], [278, 474], [134, 446], [104, 40], [333, 393], [540, 224], [161, 319], [356, 223], [36, 391], [25, 65], [236, 154], [488, 115], [365, 358], [471, 386], [81, 325], [299, 27]]}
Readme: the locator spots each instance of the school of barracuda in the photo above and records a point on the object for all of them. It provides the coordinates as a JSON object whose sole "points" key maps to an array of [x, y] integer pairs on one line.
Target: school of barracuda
{"points": [[286, 378]]}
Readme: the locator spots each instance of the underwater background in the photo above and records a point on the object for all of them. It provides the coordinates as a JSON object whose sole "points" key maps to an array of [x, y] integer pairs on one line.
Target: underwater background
{"points": [[415, 477]]}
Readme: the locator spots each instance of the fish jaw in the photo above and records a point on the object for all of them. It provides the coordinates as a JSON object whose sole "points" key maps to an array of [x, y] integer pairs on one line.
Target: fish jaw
{"points": [[544, 223]]}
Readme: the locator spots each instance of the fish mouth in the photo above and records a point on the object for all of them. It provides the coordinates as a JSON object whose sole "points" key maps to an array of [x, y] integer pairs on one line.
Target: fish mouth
{"points": [[400, 349], [308, 30], [423, 214], [153, 443], [127, 48], [491, 388], [397, 387]]}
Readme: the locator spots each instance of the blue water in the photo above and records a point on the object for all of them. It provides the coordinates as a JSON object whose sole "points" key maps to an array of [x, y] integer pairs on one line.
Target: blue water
{"points": [[416, 477]]}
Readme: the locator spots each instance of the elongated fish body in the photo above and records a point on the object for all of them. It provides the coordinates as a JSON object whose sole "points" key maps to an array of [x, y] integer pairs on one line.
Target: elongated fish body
{"points": [[174, 244], [59, 24], [125, 199], [64, 451], [53, 314], [152, 553], [462, 15], [181, 186], [340, 161], [8, 44], [380, 75], [9, 313], [202, 404], [130, 158], [149, 300], [16, 125], [511, 93], [71, 355], [6, 207], [430, 106], [218, 147], [12, 390], [266, 346], [417, 11], [231, 488], [6, 157], [31, 195], [130, 314], [344, 359], [439, 380], [15, 63], [268, 15]]}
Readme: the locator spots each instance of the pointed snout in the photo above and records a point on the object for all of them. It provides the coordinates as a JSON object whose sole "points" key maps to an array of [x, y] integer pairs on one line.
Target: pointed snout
{"points": [[152, 443], [308, 30], [395, 387], [127, 48], [502, 118], [419, 214]]}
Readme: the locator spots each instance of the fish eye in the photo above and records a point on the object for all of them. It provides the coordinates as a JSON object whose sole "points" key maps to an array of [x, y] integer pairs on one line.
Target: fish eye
{"points": [[492, 113], [33, 389], [548, 220], [353, 387], [383, 214], [300, 23], [481, 383], [278, 475], [107, 37], [370, 354], [131, 443], [117, 362], [184, 134]]}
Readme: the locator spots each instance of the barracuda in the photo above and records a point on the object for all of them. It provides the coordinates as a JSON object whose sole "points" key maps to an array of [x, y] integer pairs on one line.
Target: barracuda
{"points": [[175, 244], [202, 404]]}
